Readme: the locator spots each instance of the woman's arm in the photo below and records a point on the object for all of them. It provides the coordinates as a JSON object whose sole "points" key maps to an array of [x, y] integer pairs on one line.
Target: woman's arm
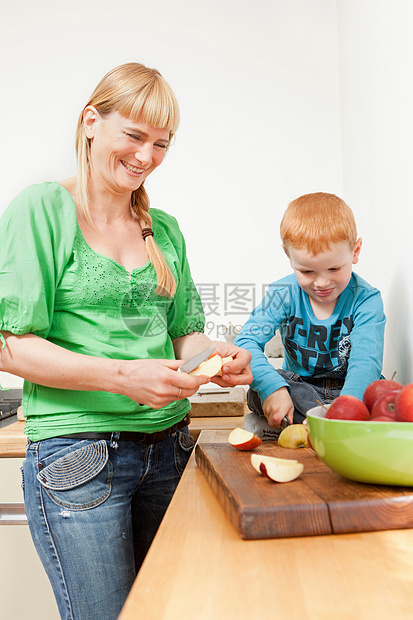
{"points": [[151, 382]]}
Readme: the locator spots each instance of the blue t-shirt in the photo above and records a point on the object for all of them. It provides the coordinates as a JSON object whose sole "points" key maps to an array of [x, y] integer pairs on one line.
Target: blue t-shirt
{"points": [[348, 345]]}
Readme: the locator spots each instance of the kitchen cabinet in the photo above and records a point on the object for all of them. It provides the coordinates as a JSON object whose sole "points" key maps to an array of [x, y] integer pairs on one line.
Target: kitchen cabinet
{"points": [[25, 591]]}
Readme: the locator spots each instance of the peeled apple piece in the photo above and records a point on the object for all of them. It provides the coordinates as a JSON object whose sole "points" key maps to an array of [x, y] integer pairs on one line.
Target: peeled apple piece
{"points": [[225, 360], [210, 367]]}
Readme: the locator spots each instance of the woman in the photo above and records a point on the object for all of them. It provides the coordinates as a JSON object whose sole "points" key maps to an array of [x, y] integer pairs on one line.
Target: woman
{"points": [[97, 312]]}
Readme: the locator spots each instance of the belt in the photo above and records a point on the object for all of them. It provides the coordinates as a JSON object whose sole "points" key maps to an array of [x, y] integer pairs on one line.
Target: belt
{"points": [[325, 382], [141, 438]]}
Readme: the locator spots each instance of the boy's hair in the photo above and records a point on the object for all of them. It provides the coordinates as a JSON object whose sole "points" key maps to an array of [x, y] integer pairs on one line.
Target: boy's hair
{"points": [[315, 221]]}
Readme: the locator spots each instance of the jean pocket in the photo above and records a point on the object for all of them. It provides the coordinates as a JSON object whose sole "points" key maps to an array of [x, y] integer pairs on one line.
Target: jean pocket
{"points": [[78, 477], [184, 444]]}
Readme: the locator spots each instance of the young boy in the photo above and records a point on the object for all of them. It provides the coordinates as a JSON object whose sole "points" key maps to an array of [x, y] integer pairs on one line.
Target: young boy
{"points": [[331, 321]]}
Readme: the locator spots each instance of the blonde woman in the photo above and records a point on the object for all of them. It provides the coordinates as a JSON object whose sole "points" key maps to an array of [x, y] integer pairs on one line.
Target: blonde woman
{"points": [[97, 311]]}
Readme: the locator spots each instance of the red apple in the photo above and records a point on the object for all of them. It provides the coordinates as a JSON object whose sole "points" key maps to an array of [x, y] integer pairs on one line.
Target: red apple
{"points": [[385, 407], [347, 407], [242, 439], [404, 404], [379, 388], [383, 418]]}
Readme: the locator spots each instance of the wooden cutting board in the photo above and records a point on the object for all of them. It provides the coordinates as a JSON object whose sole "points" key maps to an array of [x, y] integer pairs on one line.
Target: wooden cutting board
{"points": [[219, 403], [318, 502]]}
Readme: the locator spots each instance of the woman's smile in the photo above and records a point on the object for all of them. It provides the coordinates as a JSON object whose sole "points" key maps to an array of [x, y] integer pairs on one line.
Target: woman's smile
{"points": [[134, 169], [121, 144]]}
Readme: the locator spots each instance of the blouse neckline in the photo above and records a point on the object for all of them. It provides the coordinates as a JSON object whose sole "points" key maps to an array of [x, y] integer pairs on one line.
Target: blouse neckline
{"points": [[99, 254]]}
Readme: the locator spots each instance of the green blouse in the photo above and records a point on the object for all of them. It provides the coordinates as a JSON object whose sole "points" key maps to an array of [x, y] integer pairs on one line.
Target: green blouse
{"points": [[54, 285]]}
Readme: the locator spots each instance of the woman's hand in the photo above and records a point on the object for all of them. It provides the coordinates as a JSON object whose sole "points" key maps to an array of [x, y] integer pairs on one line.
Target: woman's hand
{"points": [[278, 405], [237, 372], [156, 383]]}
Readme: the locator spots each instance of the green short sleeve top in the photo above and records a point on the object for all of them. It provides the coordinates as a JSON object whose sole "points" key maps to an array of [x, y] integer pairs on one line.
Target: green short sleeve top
{"points": [[52, 284]]}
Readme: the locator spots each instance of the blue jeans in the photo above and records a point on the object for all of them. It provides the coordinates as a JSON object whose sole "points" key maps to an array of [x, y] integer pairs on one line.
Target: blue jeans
{"points": [[304, 392], [93, 508]]}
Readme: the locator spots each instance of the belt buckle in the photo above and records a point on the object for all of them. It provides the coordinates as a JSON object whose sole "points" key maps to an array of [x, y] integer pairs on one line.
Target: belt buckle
{"points": [[141, 440], [159, 436], [148, 439]]}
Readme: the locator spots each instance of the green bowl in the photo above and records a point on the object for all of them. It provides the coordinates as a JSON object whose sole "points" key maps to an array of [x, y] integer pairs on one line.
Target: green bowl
{"points": [[372, 452]]}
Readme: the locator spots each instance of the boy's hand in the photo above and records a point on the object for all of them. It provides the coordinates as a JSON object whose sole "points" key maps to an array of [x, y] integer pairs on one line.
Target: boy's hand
{"points": [[278, 405]]}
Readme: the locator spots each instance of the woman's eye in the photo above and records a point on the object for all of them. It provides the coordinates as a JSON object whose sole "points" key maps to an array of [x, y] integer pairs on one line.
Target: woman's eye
{"points": [[133, 137], [161, 146]]}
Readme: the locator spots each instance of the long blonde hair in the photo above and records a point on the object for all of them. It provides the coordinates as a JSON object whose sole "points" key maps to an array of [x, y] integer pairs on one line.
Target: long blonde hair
{"points": [[134, 91]]}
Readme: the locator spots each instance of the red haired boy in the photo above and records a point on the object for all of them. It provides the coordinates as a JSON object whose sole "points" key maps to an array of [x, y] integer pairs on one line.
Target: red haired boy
{"points": [[331, 321]]}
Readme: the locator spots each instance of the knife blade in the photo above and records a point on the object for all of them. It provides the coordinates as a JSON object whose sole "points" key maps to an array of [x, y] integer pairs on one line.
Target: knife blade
{"points": [[284, 423], [194, 362]]}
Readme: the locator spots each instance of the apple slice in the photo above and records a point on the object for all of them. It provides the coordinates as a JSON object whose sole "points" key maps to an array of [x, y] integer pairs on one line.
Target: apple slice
{"points": [[243, 440], [210, 367], [281, 473], [278, 470], [225, 360], [257, 459]]}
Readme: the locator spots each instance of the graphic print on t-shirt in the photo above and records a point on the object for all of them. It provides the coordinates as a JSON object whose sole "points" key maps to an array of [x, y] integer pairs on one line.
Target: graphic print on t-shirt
{"points": [[321, 350]]}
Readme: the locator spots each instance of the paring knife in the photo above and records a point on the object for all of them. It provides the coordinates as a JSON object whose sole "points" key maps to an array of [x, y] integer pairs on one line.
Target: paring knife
{"points": [[285, 422], [194, 362]]}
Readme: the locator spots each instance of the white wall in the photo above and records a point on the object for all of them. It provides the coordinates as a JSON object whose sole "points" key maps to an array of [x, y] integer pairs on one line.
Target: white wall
{"points": [[276, 101], [376, 60], [259, 94]]}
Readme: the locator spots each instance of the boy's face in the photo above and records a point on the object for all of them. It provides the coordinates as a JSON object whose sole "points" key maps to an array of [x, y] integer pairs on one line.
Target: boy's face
{"points": [[324, 276]]}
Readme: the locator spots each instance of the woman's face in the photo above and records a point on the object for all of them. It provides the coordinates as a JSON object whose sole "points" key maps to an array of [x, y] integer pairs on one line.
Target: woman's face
{"points": [[123, 152]]}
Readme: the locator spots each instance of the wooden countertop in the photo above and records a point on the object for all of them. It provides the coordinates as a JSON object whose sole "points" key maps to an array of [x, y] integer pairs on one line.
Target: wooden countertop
{"points": [[209, 410], [13, 441], [199, 567]]}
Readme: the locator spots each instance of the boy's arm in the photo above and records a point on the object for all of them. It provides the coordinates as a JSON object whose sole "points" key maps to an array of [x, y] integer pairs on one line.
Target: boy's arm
{"points": [[257, 331], [367, 342]]}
